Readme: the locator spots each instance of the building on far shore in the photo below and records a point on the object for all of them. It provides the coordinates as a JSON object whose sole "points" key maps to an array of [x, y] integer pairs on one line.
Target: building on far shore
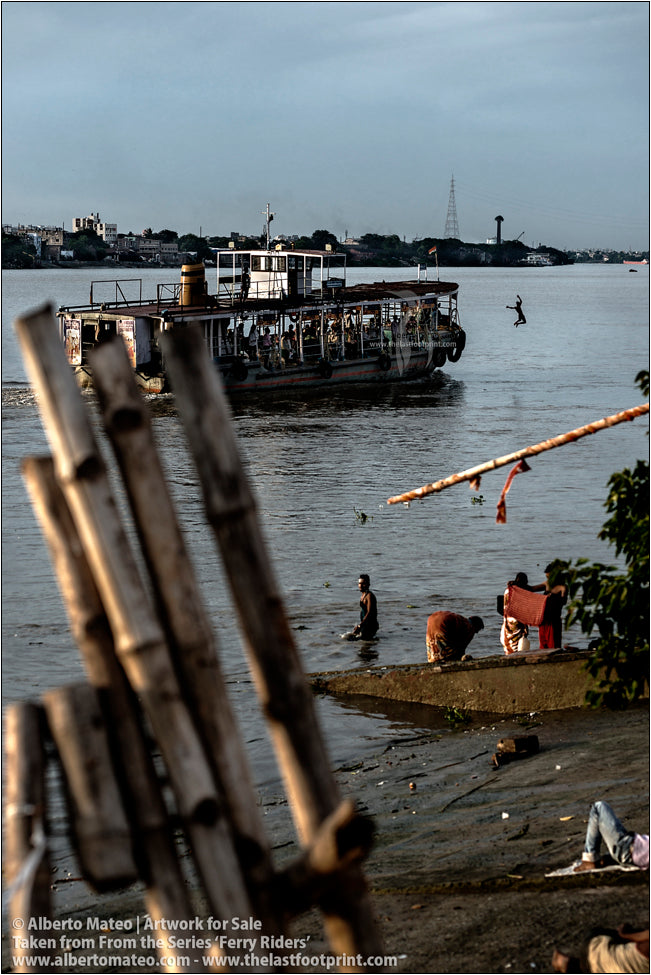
{"points": [[107, 231], [149, 249]]}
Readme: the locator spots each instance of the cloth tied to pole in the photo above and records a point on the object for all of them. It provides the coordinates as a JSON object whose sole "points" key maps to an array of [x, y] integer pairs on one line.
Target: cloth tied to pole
{"points": [[519, 468]]}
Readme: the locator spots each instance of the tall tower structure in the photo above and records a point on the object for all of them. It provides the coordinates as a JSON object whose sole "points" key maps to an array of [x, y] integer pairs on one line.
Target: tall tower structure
{"points": [[451, 222]]}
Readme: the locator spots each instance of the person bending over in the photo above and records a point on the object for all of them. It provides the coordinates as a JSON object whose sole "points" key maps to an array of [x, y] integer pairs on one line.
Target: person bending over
{"points": [[448, 635]]}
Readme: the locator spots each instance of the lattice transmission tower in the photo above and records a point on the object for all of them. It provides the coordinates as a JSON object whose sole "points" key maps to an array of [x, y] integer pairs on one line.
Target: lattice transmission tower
{"points": [[451, 222]]}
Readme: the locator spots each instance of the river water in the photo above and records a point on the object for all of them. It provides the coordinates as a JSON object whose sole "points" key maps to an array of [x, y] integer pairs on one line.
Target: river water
{"points": [[317, 465]]}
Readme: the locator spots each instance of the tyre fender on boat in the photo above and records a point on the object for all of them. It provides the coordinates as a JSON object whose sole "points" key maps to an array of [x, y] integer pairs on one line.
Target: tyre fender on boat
{"points": [[239, 371], [439, 358], [384, 361], [455, 354], [325, 369]]}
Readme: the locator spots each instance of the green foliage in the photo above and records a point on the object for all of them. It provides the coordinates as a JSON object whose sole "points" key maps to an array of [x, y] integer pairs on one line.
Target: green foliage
{"points": [[322, 237], [197, 245], [614, 602], [17, 252], [87, 246], [457, 717], [479, 499]]}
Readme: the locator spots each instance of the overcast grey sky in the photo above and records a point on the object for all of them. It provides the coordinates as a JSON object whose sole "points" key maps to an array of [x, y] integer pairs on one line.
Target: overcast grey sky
{"points": [[344, 116]]}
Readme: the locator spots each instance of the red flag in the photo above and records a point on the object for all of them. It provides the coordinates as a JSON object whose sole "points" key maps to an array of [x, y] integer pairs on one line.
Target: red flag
{"points": [[431, 250], [519, 468]]}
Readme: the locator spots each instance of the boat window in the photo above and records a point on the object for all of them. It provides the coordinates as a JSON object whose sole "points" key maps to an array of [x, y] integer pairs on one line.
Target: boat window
{"points": [[280, 263]]}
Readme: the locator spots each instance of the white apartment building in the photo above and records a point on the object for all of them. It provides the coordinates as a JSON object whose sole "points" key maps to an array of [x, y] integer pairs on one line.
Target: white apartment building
{"points": [[107, 231]]}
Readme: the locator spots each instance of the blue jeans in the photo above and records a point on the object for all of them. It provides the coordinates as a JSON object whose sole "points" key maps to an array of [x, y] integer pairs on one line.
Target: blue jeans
{"points": [[604, 824]]}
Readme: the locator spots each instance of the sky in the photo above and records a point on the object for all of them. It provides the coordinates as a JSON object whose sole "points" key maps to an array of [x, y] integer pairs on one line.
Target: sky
{"points": [[348, 117]]}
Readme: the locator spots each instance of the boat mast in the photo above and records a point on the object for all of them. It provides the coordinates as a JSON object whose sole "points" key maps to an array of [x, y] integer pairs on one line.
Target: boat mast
{"points": [[269, 217]]}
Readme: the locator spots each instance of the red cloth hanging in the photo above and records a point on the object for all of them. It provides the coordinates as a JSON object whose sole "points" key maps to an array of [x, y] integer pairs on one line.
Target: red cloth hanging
{"points": [[519, 468]]}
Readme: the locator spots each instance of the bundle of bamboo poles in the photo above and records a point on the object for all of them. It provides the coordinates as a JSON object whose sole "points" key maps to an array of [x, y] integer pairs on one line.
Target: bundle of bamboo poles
{"points": [[152, 664]]}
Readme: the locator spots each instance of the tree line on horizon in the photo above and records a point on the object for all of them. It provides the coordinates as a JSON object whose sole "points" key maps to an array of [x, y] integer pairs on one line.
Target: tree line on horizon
{"points": [[375, 250]]}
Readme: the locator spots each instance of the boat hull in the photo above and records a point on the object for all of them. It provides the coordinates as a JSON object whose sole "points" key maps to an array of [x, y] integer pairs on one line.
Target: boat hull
{"points": [[319, 376]]}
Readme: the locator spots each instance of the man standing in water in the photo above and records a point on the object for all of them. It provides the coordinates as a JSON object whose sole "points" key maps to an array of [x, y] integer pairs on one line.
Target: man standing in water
{"points": [[368, 625], [518, 307]]}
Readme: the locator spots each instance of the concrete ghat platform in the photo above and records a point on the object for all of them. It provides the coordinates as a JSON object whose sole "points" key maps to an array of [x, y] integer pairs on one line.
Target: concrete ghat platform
{"points": [[535, 681]]}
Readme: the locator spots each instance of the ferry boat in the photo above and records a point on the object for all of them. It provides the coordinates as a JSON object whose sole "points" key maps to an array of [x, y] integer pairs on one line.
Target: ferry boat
{"points": [[279, 320]]}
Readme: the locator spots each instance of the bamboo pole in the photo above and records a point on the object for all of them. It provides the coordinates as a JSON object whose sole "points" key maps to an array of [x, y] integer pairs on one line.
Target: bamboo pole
{"points": [[139, 639], [100, 828], [182, 611], [273, 657], [475, 472], [343, 838], [154, 849], [26, 857]]}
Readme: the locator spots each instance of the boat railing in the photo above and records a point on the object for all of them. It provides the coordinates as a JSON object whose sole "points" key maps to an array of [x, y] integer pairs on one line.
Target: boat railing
{"points": [[167, 294], [120, 298]]}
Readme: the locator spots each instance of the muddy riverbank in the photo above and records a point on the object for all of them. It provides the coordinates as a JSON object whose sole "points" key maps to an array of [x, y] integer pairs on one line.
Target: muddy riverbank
{"points": [[457, 873]]}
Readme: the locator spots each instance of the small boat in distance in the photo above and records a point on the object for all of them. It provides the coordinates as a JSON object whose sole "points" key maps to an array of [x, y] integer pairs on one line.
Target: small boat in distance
{"points": [[279, 320], [636, 262]]}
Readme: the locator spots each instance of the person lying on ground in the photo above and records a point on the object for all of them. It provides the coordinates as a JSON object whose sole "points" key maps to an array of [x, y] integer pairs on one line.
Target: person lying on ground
{"points": [[624, 950], [624, 846]]}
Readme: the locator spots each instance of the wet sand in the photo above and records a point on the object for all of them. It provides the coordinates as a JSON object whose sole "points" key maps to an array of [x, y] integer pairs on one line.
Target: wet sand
{"points": [[457, 887], [457, 870]]}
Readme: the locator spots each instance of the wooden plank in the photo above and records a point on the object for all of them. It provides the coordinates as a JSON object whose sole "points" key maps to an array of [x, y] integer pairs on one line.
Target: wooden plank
{"points": [[26, 856], [99, 824]]}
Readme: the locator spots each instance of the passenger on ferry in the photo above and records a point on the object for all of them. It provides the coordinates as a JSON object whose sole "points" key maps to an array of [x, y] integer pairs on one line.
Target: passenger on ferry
{"points": [[448, 635], [253, 342], [245, 284], [266, 347], [333, 342], [395, 330]]}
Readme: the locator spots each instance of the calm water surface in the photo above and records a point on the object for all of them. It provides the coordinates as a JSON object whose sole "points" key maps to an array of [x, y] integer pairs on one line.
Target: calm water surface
{"points": [[315, 464]]}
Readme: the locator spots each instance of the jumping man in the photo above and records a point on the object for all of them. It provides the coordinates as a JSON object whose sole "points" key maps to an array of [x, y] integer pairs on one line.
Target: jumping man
{"points": [[518, 307]]}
